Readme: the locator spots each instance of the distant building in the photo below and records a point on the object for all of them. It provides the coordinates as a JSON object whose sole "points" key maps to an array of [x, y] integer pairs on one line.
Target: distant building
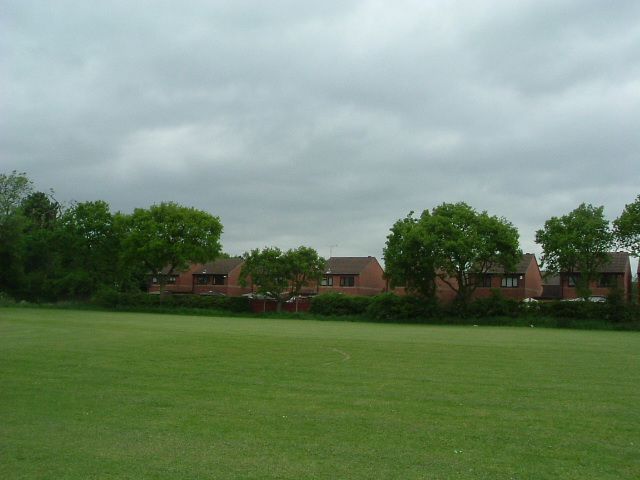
{"points": [[613, 275], [220, 277], [353, 276], [525, 281]]}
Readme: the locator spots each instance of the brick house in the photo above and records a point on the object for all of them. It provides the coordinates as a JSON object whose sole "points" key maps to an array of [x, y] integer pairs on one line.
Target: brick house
{"points": [[218, 277], [221, 276], [178, 282], [615, 274], [525, 281], [353, 276]]}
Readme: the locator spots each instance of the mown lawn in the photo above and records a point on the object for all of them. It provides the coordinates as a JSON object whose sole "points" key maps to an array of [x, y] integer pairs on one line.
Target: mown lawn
{"points": [[92, 395]]}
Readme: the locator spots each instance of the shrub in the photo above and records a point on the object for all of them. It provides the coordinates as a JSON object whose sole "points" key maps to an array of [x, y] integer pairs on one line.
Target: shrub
{"points": [[496, 305], [121, 300], [6, 300], [389, 307], [339, 304]]}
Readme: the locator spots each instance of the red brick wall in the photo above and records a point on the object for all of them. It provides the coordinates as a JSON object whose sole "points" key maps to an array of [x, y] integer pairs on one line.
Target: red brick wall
{"points": [[369, 282], [533, 281], [186, 284], [622, 282]]}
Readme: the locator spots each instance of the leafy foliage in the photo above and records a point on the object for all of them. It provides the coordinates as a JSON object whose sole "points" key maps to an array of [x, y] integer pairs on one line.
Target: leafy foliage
{"points": [[334, 303], [627, 228], [48, 253], [268, 271], [14, 188], [453, 242], [92, 244], [305, 268], [576, 242], [110, 298], [469, 244], [167, 237], [409, 259], [388, 307], [279, 274]]}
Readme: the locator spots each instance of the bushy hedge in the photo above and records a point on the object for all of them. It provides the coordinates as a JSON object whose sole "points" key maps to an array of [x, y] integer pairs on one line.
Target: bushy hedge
{"points": [[6, 300], [496, 305], [393, 308], [339, 304], [117, 300], [493, 310]]}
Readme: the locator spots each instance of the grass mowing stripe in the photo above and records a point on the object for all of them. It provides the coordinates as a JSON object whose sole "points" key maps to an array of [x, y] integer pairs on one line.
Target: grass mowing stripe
{"points": [[113, 395]]}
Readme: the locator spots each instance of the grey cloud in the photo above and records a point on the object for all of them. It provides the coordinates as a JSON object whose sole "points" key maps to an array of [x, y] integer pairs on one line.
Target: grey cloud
{"points": [[321, 124]]}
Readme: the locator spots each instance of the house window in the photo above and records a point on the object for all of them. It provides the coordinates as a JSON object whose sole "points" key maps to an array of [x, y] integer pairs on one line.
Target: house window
{"points": [[349, 281], [154, 280], [509, 281], [219, 279], [572, 280], [607, 280], [327, 281], [202, 279], [172, 279], [485, 280]]}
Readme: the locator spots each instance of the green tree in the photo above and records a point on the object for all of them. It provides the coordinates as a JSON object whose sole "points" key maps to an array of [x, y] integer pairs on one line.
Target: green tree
{"points": [[409, 257], [41, 213], [42, 210], [14, 188], [269, 272], [90, 246], [12, 250], [280, 275], [305, 267], [454, 243], [627, 228], [576, 242], [166, 238], [469, 243]]}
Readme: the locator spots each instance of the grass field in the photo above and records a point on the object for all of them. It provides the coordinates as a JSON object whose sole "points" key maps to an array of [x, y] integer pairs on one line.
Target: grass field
{"points": [[92, 395]]}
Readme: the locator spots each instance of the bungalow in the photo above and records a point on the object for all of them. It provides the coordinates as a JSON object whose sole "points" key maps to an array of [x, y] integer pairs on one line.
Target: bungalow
{"points": [[614, 274], [353, 276]]}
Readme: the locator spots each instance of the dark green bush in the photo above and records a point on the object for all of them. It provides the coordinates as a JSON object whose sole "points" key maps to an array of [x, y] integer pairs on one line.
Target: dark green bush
{"points": [[389, 307], [6, 299], [339, 304], [117, 300], [614, 310], [496, 305]]}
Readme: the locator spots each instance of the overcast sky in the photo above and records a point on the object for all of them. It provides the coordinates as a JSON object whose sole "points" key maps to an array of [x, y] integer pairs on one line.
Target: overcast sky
{"points": [[322, 123]]}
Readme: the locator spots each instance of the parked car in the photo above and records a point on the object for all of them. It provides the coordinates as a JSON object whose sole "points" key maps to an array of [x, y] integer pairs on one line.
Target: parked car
{"points": [[592, 298]]}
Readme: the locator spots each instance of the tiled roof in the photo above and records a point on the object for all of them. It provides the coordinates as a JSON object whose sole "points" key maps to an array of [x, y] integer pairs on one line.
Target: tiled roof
{"points": [[348, 265], [521, 266], [617, 263], [222, 266]]}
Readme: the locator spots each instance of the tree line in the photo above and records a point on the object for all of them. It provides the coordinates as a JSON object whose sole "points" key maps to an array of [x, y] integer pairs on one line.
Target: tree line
{"points": [[458, 245], [50, 252]]}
